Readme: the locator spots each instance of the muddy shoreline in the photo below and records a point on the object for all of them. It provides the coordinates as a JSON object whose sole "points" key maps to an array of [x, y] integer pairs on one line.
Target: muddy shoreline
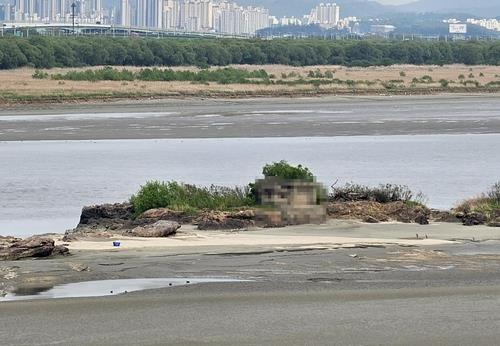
{"points": [[254, 118]]}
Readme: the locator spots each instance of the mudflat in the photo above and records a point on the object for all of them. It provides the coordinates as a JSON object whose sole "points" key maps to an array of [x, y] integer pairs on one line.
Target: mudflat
{"points": [[259, 117], [374, 290]]}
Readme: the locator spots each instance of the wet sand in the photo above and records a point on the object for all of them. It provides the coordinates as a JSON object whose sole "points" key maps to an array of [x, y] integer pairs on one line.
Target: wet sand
{"points": [[372, 293], [266, 117]]}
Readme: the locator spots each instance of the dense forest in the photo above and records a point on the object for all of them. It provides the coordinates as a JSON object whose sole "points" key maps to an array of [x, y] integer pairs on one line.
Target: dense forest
{"points": [[47, 52]]}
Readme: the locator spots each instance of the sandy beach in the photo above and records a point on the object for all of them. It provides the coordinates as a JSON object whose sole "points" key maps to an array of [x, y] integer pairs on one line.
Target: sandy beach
{"points": [[332, 235]]}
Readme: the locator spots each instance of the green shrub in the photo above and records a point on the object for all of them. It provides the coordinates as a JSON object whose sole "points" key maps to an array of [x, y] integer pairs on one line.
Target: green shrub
{"points": [[227, 75], [427, 79], [284, 170], [40, 75], [402, 74], [190, 198], [444, 83], [383, 193], [329, 74]]}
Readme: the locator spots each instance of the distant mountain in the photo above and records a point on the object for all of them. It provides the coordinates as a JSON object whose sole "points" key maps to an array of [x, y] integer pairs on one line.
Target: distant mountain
{"points": [[370, 8], [298, 8], [483, 8]]}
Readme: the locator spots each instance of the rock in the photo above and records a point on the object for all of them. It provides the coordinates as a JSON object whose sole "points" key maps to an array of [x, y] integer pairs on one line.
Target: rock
{"points": [[474, 219], [102, 221], [227, 223], [78, 267], [7, 241], [158, 229], [443, 216], [422, 219], [117, 211], [495, 222], [35, 246], [226, 220], [370, 219], [60, 250], [154, 215]]}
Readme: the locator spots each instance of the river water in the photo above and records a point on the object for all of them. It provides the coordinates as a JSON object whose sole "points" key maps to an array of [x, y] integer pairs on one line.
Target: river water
{"points": [[44, 184]]}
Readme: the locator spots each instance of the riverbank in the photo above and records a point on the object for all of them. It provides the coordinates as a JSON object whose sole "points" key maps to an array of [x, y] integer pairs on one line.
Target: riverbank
{"points": [[19, 87]]}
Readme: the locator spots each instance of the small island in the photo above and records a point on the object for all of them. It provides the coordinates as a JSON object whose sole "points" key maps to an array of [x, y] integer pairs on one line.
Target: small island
{"points": [[287, 195]]}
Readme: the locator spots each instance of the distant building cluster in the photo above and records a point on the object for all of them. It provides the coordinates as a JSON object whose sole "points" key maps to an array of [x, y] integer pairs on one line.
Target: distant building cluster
{"points": [[326, 15], [217, 16], [490, 24], [193, 16], [50, 11], [183, 15]]}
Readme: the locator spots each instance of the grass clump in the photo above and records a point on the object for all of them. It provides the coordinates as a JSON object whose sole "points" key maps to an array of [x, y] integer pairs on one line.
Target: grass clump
{"points": [[188, 198], [384, 193], [38, 74], [444, 83], [487, 204]]}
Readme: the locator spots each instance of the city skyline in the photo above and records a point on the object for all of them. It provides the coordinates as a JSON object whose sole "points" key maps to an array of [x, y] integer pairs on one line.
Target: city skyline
{"points": [[223, 16], [184, 15]]}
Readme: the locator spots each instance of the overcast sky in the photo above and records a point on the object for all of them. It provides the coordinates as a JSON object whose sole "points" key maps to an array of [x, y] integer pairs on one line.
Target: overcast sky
{"points": [[395, 2]]}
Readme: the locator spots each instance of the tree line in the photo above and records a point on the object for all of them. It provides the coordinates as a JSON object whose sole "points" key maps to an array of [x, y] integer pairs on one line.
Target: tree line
{"points": [[48, 52]]}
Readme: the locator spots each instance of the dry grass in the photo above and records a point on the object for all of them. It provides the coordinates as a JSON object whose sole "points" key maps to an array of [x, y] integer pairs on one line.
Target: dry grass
{"points": [[21, 84]]}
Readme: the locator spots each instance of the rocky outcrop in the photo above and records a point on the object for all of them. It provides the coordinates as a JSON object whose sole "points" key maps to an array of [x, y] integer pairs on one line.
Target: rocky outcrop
{"points": [[107, 220], [444, 216], [107, 215], [35, 246], [7, 241], [158, 229], [157, 214], [214, 220], [373, 212], [494, 222], [472, 219]]}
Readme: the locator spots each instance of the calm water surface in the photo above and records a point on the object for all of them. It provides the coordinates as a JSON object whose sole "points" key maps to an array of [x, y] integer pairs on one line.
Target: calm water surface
{"points": [[44, 184]]}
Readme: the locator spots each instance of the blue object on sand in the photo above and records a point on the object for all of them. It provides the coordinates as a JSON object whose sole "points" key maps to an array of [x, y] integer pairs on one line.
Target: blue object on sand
{"points": [[116, 243]]}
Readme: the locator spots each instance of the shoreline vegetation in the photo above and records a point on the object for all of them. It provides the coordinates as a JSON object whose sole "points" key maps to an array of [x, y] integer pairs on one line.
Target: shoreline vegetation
{"points": [[269, 202], [70, 69], [100, 84]]}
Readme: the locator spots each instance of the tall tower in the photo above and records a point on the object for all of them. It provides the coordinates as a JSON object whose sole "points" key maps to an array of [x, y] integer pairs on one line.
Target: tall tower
{"points": [[124, 13]]}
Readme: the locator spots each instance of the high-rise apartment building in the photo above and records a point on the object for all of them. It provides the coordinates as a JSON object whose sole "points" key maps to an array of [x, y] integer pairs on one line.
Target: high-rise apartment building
{"points": [[124, 13], [181, 15], [326, 15]]}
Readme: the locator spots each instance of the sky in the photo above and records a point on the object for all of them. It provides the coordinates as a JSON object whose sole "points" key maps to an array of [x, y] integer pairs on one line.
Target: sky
{"points": [[395, 2]]}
